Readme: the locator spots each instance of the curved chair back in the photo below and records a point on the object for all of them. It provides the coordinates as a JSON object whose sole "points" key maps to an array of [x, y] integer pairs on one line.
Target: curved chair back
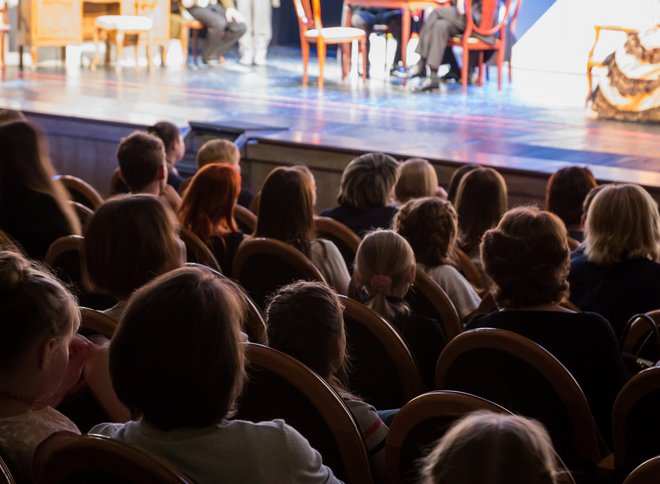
{"points": [[279, 386], [469, 270], [95, 458], [197, 251], [523, 377], [639, 336], [83, 212], [262, 265], [383, 372], [6, 474], [96, 322], [81, 191], [246, 220], [421, 423], [344, 238], [428, 299], [646, 473], [635, 420]]}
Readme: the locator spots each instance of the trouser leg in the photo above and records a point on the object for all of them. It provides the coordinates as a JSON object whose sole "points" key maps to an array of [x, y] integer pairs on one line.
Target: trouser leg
{"points": [[263, 25], [246, 44]]}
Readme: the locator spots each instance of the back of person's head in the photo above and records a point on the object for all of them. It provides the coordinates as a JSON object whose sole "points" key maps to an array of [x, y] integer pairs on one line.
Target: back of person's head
{"points": [[177, 358], [141, 158], [566, 191], [527, 257], [10, 116], [286, 208], [481, 201], [208, 204], [417, 179], [622, 223], [384, 267], [492, 448], [129, 240], [456, 179], [35, 307], [217, 151], [430, 226], [368, 181], [305, 320], [25, 166], [170, 135]]}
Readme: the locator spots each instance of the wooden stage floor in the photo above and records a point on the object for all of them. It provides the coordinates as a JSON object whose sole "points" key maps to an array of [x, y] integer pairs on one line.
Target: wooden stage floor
{"points": [[538, 123]]}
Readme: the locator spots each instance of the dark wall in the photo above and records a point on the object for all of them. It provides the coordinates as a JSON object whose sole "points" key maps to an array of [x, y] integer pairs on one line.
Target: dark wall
{"points": [[285, 22]]}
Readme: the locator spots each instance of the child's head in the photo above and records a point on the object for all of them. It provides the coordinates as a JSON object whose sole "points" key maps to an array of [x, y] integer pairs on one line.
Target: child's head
{"points": [[305, 320], [417, 178], [286, 207], [430, 226], [508, 448], [368, 181], [141, 158], [218, 151], [456, 178], [177, 359], [208, 204], [565, 193], [129, 240], [39, 319], [384, 267], [171, 137]]}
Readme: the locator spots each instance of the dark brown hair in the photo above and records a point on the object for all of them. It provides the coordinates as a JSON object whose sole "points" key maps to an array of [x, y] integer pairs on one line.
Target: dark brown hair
{"points": [[566, 191], [456, 178], [167, 132], [140, 156]]}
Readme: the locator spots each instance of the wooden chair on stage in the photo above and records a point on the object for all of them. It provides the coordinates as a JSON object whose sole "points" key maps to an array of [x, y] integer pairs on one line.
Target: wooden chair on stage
{"points": [[4, 32], [488, 26], [313, 32]]}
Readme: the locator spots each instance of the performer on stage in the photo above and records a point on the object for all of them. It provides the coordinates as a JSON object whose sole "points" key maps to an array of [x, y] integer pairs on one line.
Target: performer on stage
{"points": [[253, 46], [631, 89], [366, 18], [224, 24]]}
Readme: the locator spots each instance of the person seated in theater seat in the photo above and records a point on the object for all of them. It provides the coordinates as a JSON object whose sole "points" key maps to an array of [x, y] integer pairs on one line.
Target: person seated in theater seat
{"points": [[183, 389], [417, 179], [143, 167], [175, 149]]}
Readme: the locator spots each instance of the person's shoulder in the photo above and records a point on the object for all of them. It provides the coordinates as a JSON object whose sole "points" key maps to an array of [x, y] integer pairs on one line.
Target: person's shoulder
{"points": [[329, 212]]}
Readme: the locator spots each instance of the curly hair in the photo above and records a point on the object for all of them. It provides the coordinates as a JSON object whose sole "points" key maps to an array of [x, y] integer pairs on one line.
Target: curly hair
{"points": [[527, 257], [430, 226]]}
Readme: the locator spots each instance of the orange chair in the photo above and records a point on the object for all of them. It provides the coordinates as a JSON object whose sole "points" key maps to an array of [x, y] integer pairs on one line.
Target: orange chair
{"points": [[489, 25], [313, 32], [4, 31]]}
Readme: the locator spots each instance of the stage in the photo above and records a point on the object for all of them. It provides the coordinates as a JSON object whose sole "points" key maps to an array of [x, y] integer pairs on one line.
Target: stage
{"points": [[535, 125]]}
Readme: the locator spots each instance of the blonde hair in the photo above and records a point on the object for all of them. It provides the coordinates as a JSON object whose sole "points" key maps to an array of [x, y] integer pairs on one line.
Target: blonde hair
{"points": [[430, 226], [622, 223], [384, 263], [217, 151], [509, 448], [368, 181], [417, 179]]}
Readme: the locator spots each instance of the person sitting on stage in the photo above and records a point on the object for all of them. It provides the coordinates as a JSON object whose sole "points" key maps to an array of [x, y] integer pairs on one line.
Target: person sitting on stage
{"points": [[224, 25], [439, 26], [143, 168], [367, 18]]}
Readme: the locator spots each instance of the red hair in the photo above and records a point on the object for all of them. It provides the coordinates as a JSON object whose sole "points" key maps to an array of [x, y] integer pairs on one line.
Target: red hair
{"points": [[207, 208]]}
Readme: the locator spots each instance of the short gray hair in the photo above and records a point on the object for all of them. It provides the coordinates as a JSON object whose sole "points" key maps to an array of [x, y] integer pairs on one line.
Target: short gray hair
{"points": [[368, 181]]}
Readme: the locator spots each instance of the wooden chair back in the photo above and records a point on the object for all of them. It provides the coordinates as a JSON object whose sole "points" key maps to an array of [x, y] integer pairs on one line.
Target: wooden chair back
{"points": [[96, 458], [469, 270], [523, 377], [383, 371], [81, 191], [646, 473], [639, 337], [309, 16], [428, 299], [279, 386], [246, 220], [421, 423], [96, 322], [197, 251], [489, 22], [117, 183], [344, 238], [262, 265], [83, 212], [6, 474], [635, 420]]}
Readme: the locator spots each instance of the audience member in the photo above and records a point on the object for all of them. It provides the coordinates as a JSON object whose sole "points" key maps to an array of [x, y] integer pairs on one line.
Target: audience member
{"points": [[182, 391], [143, 166], [286, 213], [365, 193], [527, 257], [175, 149], [129, 240], [384, 271], [485, 447], [34, 208], [456, 179], [305, 320], [564, 196], [208, 211], [39, 356], [430, 226], [417, 179], [618, 275]]}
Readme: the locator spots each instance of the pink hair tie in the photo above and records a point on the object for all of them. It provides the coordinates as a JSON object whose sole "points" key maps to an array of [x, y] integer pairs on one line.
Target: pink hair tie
{"points": [[381, 283]]}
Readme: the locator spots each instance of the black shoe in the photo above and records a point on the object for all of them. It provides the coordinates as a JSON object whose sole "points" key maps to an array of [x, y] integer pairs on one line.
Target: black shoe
{"points": [[427, 84], [452, 76], [414, 71]]}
